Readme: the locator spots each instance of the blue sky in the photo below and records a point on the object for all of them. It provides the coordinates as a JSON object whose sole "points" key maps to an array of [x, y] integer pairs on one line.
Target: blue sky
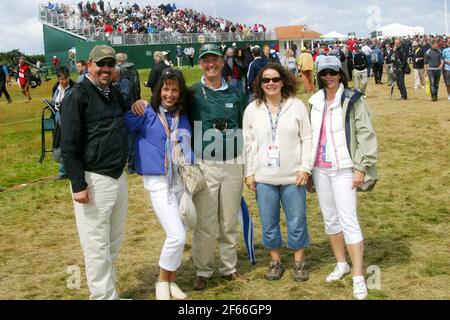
{"points": [[323, 16]]}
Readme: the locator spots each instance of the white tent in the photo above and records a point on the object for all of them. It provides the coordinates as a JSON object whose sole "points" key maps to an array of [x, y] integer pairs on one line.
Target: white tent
{"points": [[334, 35], [400, 30]]}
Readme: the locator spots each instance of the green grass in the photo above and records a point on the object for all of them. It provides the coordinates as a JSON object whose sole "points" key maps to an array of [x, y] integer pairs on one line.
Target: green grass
{"points": [[405, 220]]}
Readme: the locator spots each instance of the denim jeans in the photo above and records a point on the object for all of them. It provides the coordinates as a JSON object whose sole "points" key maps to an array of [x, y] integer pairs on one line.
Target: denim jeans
{"points": [[434, 76], [293, 199]]}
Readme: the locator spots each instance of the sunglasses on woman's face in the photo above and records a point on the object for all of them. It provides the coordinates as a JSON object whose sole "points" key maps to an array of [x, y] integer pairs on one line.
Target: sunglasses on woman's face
{"points": [[274, 80], [109, 63], [330, 72]]}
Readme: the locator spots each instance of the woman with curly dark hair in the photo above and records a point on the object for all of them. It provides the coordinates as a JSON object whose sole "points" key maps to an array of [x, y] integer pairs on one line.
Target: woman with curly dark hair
{"points": [[162, 125], [277, 143]]}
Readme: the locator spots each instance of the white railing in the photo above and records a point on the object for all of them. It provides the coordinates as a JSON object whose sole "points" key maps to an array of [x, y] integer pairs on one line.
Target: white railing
{"points": [[75, 24]]}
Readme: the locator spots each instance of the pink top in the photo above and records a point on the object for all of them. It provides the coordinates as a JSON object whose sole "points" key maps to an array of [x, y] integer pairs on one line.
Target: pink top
{"points": [[321, 149]]}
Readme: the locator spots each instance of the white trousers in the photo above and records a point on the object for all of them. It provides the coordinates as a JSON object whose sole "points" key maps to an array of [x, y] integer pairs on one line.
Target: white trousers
{"points": [[338, 202], [419, 78], [166, 209], [101, 226]]}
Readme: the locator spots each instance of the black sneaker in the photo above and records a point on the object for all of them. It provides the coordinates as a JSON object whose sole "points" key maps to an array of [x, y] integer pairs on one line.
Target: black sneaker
{"points": [[275, 270], [300, 272]]}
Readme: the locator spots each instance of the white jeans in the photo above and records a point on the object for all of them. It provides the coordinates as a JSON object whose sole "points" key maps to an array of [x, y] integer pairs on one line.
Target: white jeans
{"points": [[168, 214], [101, 226], [338, 202]]}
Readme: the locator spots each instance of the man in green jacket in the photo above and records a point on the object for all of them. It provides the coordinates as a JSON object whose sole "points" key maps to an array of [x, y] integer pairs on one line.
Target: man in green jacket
{"points": [[216, 116]]}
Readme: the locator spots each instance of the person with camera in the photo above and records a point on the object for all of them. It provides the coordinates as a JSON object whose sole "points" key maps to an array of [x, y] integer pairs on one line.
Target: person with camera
{"points": [[162, 125], [61, 89], [343, 157], [216, 113], [277, 143]]}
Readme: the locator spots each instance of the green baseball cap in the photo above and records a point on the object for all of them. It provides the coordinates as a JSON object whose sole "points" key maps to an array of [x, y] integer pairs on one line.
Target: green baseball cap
{"points": [[101, 52], [210, 48]]}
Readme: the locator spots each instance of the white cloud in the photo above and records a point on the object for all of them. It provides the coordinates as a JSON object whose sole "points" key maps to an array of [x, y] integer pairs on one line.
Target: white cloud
{"points": [[21, 29], [28, 38]]}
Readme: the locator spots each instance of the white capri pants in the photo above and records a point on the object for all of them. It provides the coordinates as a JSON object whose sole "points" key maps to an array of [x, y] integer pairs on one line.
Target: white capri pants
{"points": [[168, 214], [338, 202]]}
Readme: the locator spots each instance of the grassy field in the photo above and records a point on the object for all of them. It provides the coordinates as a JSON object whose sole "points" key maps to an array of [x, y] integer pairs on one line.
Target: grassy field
{"points": [[405, 220]]}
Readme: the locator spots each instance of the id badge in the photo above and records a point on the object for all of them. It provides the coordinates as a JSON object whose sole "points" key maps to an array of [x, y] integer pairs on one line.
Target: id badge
{"points": [[273, 154]]}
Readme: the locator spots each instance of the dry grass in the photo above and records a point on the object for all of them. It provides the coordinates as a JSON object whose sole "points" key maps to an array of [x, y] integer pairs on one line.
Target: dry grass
{"points": [[405, 220]]}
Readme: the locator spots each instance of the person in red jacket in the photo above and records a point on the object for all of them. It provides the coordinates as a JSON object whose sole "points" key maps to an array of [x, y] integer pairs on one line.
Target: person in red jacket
{"points": [[23, 77], [56, 63], [108, 28]]}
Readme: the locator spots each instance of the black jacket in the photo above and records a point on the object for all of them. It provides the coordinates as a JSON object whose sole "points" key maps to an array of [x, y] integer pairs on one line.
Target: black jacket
{"points": [[359, 61], [155, 74], [56, 85], [2, 74], [93, 133], [400, 59], [418, 58]]}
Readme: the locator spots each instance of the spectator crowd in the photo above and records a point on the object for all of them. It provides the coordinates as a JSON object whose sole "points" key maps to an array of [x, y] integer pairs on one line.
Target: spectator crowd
{"points": [[126, 18]]}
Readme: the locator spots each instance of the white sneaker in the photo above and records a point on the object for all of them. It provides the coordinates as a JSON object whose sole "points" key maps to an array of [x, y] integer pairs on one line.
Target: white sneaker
{"points": [[176, 292], [162, 290], [338, 273], [359, 290]]}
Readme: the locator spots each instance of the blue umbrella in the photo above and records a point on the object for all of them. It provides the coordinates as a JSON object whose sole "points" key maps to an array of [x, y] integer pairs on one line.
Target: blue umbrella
{"points": [[247, 225]]}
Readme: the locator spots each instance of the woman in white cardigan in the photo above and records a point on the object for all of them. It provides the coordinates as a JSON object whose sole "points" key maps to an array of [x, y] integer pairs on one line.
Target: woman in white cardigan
{"points": [[277, 139]]}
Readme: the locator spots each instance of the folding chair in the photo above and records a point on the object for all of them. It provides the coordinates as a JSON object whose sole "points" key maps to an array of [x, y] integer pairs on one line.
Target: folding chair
{"points": [[47, 125]]}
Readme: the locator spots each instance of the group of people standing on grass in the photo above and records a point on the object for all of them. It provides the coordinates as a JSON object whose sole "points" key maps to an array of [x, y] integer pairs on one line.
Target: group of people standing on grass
{"points": [[427, 58], [275, 144]]}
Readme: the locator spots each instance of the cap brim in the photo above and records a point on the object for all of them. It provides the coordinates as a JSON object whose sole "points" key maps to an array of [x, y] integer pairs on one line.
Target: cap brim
{"points": [[210, 52], [103, 58], [334, 68]]}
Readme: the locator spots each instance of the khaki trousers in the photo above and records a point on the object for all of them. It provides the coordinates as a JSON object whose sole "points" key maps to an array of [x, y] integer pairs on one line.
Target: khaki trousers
{"points": [[307, 81], [217, 216], [101, 226], [419, 78]]}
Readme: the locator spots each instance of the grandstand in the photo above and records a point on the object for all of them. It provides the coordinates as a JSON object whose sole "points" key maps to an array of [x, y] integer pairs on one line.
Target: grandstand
{"points": [[139, 31]]}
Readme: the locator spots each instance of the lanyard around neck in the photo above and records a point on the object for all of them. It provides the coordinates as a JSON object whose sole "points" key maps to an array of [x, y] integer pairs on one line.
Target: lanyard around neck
{"points": [[274, 123]]}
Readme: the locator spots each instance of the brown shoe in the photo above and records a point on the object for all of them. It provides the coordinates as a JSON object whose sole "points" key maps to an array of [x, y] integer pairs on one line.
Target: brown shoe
{"points": [[200, 283], [275, 270], [300, 272], [232, 276]]}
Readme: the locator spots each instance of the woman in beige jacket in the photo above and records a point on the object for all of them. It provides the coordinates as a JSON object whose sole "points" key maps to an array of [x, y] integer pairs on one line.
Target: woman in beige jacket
{"points": [[277, 139]]}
